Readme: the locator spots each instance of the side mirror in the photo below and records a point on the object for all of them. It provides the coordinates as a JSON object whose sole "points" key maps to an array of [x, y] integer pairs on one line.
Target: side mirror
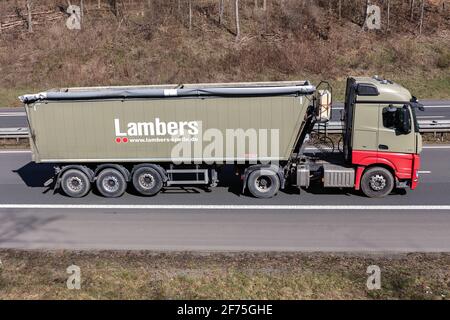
{"points": [[405, 120]]}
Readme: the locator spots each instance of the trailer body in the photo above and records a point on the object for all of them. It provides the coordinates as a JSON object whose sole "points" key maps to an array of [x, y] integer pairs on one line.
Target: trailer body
{"points": [[146, 130]]}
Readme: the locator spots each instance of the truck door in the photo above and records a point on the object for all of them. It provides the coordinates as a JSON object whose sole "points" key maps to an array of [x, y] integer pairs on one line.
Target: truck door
{"points": [[393, 136], [350, 97]]}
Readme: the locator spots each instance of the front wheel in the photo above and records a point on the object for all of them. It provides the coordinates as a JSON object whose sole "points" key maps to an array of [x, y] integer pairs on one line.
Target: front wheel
{"points": [[377, 182]]}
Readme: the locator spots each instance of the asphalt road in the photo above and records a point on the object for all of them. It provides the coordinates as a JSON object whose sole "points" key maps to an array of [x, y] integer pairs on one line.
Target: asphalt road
{"points": [[435, 110], [193, 219]]}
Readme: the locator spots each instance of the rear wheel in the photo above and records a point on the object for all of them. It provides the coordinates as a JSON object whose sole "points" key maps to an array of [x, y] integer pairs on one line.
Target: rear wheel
{"points": [[147, 181], [111, 183], [377, 182], [263, 183], [75, 183]]}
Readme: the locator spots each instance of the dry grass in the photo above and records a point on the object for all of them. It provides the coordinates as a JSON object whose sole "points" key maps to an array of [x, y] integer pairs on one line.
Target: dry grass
{"points": [[154, 45], [182, 275]]}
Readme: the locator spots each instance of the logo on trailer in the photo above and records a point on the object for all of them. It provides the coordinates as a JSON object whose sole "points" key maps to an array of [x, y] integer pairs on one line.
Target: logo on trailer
{"points": [[156, 128]]}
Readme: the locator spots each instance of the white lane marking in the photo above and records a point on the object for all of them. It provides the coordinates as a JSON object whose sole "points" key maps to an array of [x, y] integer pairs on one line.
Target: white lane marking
{"points": [[14, 151], [436, 147], [429, 117], [226, 207], [12, 114], [426, 172]]}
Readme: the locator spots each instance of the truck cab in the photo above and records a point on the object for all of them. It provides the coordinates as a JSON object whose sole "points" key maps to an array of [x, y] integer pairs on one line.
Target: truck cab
{"points": [[381, 135]]}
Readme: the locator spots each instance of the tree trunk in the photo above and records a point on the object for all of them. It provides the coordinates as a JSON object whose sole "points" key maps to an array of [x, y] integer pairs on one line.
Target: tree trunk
{"points": [[264, 5], [236, 11], [81, 10], [411, 10], [99, 5], [29, 21], [256, 4], [1, 16], [340, 9], [422, 9], [190, 14], [221, 7], [365, 13], [149, 7], [388, 13]]}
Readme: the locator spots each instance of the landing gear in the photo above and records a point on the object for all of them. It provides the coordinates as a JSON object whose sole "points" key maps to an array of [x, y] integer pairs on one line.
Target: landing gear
{"points": [[377, 182]]}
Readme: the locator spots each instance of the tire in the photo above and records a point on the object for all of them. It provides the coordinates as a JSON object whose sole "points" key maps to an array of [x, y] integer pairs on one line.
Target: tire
{"points": [[263, 183], [75, 183], [111, 183], [147, 181], [377, 182]]}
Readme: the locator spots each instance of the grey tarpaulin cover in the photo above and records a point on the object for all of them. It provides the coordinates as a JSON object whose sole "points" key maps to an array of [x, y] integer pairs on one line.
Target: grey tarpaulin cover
{"points": [[130, 93]]}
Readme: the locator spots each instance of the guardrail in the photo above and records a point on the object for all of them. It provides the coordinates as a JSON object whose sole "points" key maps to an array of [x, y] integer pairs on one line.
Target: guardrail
{"points": [[13, 133], [434, 126]]}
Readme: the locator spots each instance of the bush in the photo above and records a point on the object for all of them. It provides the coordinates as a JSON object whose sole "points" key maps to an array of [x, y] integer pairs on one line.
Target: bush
{"points": [[443, 60]]}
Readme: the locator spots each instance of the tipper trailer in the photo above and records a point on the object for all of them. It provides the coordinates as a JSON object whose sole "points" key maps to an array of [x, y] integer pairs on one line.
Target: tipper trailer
{"points": [[158, 136]]}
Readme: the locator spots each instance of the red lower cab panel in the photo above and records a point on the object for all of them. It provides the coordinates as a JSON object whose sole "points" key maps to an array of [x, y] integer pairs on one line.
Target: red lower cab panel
{"points": [[405, 165]]}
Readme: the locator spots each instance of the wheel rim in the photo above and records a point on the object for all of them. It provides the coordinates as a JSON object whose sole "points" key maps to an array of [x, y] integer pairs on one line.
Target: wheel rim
{"points": [[110, 184], [263, 183], [75, 184], [146, 181], [377, 182]]}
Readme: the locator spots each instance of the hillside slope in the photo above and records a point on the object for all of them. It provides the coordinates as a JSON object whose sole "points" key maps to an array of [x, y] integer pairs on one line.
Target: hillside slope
{"points": [[149, 42]]}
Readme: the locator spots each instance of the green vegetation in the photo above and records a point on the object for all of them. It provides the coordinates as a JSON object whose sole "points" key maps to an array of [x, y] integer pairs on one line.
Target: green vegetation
{"points": [[183, 275], [151, 45]]}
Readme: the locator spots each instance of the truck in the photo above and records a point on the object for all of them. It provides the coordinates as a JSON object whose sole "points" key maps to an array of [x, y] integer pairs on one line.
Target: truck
{"points": [[154, 137]]}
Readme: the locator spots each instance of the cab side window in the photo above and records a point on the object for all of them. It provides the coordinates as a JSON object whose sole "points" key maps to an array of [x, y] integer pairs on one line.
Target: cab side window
{"points": [[390, 117], [398, 119]]}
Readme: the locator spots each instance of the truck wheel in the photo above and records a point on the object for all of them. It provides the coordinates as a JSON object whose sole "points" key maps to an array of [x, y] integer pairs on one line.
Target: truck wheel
{"points": [[147, 181], [263, 183], [111, 183], [377, 182], [75, 183]]}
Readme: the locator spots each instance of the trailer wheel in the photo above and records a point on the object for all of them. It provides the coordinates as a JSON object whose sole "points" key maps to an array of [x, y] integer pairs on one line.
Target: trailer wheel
{"points": [[111, 183], [377, 182], [75, 183], [263, 183], [147, 181]]}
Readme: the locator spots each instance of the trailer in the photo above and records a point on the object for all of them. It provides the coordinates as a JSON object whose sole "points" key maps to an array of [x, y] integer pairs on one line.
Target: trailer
{"points": [[158, 136]]}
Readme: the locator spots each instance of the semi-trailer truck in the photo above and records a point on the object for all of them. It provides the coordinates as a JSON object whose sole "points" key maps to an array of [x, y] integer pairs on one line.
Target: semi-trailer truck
{"points": [[170, 135]]}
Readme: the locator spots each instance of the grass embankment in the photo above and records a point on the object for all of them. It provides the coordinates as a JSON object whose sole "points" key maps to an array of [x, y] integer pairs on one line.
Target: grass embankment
{"points": [[153, 45], [147, 275]]}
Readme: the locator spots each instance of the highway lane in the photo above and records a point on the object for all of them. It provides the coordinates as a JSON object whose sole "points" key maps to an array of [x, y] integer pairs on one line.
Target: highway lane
{"points": [[435, 110], [105, 225]]}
